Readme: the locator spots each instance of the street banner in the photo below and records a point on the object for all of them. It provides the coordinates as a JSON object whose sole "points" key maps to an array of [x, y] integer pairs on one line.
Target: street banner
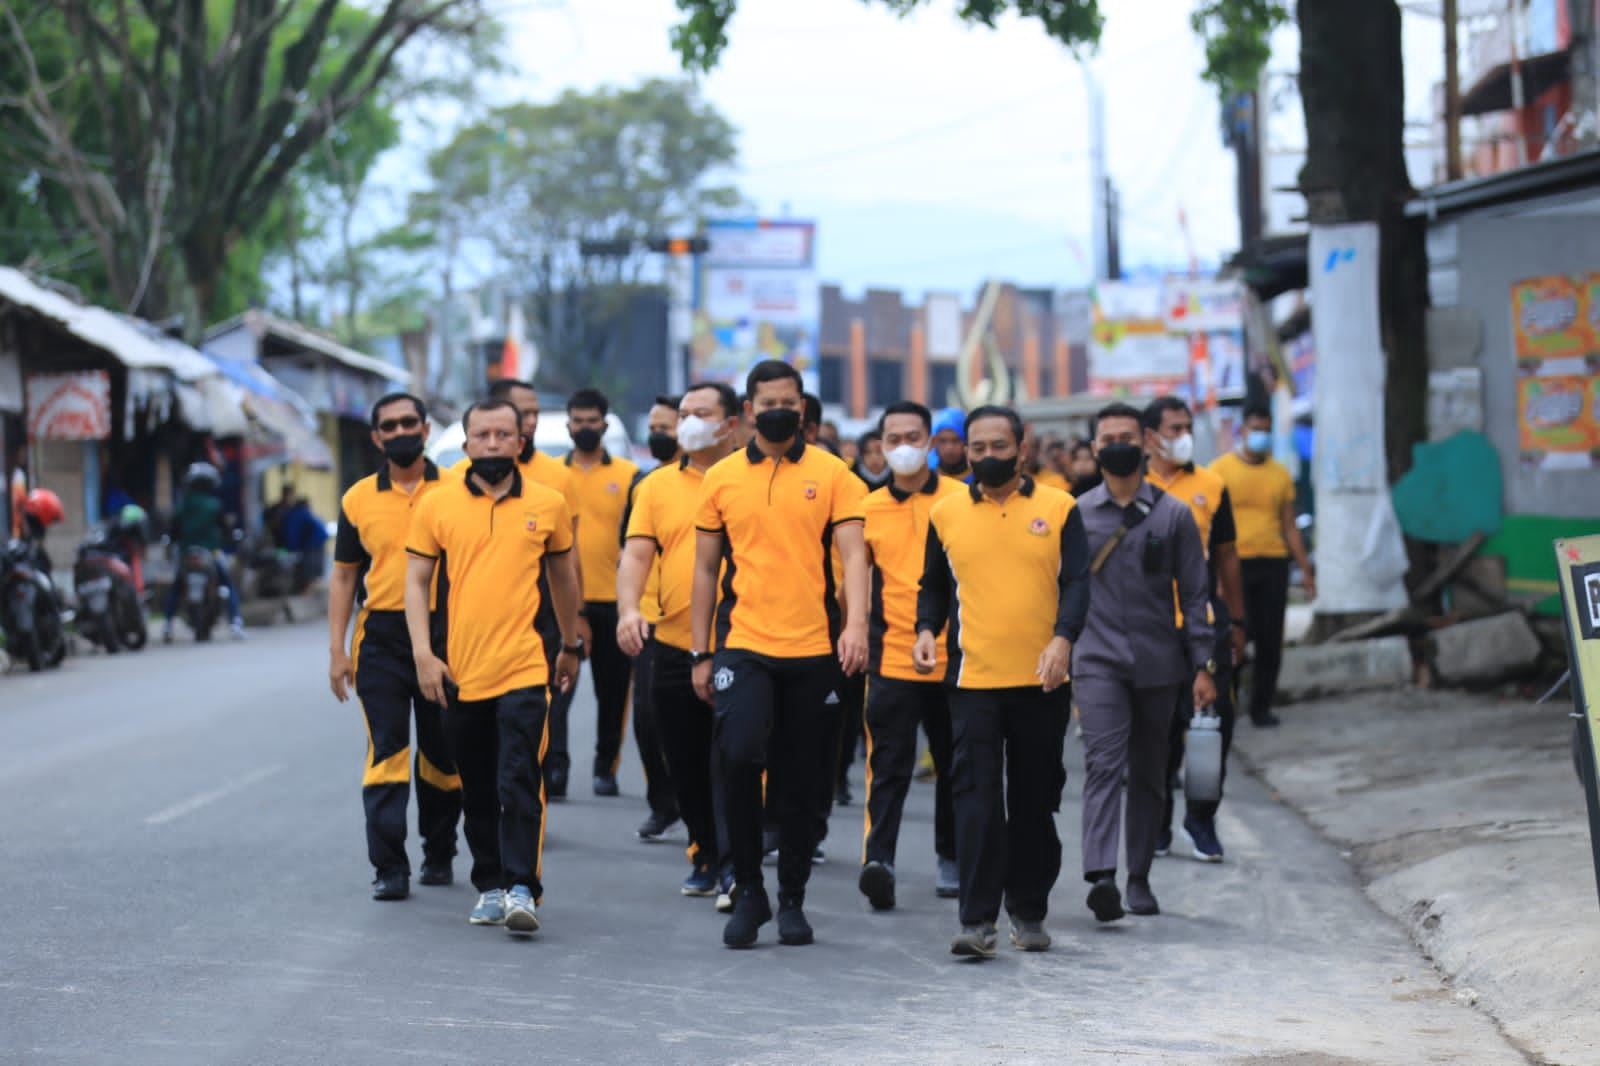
{"points": [[1131, 351], [69, 406], [1195, 305], [758, 298], [1578, 563]]}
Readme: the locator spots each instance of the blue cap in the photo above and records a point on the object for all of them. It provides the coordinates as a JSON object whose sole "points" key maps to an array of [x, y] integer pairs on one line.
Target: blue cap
{"points": [[950, 418]]}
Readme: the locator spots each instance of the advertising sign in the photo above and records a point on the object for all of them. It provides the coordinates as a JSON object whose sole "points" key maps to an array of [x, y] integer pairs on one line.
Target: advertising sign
{"points": [[758, 299], [69, 406], [1198, 306], [1555, 326], [1578, 563], [1131, 351]]}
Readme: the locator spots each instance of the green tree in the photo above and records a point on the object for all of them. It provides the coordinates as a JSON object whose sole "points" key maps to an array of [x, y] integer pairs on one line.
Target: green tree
{"points": [[154, 139], [1352, 86], [530, 181]]}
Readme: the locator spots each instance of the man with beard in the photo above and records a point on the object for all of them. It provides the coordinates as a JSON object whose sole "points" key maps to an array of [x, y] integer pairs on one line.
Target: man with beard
{"points": [[369, 558], [950, 444]]}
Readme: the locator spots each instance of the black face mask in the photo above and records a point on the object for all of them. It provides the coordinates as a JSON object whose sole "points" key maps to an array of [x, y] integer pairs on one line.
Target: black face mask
{"points": [[778, 424], [493, 469], [403, 451], [1085, 483], [992, 472], [586, 439], [1121, 460], [663, 446], [526, 454]]}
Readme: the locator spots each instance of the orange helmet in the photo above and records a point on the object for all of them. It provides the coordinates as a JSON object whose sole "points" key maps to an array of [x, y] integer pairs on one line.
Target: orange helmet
{"points": [[44, 507]]}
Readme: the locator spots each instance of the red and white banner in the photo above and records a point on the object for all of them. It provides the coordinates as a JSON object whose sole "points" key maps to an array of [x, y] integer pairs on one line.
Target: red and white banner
{"points": [[69, 406]]}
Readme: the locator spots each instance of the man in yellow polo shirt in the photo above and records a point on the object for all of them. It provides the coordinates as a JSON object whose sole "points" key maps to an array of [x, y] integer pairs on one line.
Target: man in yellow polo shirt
{"points": [[604, 483], [898, 698], [771, 514], [369, 570], [662, 423], [1262, 491], [499, 534], [1006, 567], [1169, 443], [661, 530], [540, 469]]}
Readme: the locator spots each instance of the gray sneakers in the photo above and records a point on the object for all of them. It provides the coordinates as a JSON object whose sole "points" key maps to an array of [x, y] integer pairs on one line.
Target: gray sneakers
{"points": [[948, 886], [1029, 935], [520, 916], [491, 908], [974, 941]]}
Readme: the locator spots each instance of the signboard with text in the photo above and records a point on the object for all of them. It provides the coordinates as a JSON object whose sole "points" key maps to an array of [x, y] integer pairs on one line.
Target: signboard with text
{"points": [[758, 299], [1555, 326], [69, 406], [1578, 563]]}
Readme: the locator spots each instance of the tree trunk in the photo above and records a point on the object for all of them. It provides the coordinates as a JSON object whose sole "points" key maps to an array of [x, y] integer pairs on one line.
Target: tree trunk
{"points": [[1352, 82]]}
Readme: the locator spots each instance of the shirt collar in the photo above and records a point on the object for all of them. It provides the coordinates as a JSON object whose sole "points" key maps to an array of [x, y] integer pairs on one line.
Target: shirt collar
{"points": [[385, 482], [516, 484], [754, 453], [929, 488], [1024, 489], [605, 458], [1147, 493]]}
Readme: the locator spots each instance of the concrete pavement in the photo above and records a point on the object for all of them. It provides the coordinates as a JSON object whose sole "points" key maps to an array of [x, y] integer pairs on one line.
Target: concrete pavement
{"points": [[1464, 818], [187, 884]]}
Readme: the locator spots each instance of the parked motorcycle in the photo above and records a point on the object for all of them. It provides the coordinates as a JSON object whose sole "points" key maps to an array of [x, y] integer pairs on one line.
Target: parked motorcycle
{"points": [[31, 614], [110, 604], [199, 592]]}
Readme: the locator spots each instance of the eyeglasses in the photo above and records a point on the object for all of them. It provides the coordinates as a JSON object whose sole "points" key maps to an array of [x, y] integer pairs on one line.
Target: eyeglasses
{"points": [[389, 425]]}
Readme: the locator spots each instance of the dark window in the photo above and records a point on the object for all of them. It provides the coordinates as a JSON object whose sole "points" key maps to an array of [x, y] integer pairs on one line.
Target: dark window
{"points": [[1047, 382], [941, 379], [885, 382], [830, 378]]}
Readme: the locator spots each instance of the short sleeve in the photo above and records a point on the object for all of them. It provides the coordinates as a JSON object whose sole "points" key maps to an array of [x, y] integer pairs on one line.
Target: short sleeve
{"points": [[1223, 529], [561, 538], [347, 547], [849, 497], [708, 518], [423, 540], [569, 489], [641, 520]]}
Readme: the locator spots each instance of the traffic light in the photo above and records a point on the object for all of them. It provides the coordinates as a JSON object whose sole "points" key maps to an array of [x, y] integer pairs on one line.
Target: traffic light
{"points": [[613, 249], [677, 245]]}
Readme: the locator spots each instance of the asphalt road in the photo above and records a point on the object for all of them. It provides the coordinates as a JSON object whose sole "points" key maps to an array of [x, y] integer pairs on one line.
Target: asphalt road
{"points": [[184, 881]]}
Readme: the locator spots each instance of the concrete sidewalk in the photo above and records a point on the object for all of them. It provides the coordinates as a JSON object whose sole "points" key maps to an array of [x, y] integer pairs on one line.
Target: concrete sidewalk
{"points": [[1465, 821]]}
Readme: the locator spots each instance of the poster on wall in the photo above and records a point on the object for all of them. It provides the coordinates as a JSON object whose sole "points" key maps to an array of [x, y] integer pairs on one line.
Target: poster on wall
{"points": [[1555, 324], [69, 406], [1131, 350], [758, 299]]}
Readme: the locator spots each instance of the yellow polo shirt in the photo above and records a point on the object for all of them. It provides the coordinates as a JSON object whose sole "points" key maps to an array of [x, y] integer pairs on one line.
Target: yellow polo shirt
{"points": [[665, 503], [897, 536], [603, 491], [1258, 492]]}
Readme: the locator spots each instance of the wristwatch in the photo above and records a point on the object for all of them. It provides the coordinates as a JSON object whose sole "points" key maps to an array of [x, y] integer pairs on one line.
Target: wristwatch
{"points": [[698, 657], [1210, 667], [573, 649]]}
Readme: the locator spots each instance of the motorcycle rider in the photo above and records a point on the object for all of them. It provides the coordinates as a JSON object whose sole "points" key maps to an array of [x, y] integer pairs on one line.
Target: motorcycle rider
{"points": [[198, 523], [40, 510]]}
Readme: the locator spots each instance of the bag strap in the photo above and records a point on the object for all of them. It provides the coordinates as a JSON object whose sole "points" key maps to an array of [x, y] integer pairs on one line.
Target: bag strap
{"points": [[1133, 514]]}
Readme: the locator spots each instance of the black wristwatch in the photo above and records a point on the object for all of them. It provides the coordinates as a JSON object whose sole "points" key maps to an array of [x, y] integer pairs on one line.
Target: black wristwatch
{"points": [[698, 657], [573, 649], [1210, 667]]}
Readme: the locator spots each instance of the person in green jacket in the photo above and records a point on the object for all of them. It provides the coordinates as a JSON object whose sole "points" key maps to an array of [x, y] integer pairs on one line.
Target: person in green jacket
{"points": [[198, 523]]}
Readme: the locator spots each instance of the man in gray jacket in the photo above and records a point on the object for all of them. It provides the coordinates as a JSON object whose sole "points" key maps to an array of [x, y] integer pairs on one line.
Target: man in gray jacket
{"points": [[1133, 655]]}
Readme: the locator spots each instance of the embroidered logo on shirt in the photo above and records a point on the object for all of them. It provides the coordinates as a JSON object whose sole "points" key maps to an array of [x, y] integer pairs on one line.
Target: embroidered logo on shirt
{"points": [[533, 523], [811, 490], [613, 488], [1199, 499], [1039, 527], [723, 680]]}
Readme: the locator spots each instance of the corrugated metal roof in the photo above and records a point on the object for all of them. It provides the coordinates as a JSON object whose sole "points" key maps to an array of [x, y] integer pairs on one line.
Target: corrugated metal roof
{"points": [[260, 323], [133, 342]]}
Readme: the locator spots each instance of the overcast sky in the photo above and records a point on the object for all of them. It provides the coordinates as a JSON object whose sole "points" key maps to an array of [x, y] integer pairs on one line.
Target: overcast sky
{"points": [[933, 155]]}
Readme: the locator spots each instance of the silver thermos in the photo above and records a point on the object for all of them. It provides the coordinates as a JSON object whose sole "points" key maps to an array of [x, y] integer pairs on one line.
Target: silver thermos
{"points": [[1202, 757]]}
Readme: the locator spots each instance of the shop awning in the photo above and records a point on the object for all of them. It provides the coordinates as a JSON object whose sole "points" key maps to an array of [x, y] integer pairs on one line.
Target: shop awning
{"points": [[262, 324], [134, 343], [1492, 92], [276, 410]]}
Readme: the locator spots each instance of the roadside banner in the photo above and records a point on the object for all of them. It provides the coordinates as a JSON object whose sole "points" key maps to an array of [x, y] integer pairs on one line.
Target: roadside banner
{"points": [[1578, 563]]}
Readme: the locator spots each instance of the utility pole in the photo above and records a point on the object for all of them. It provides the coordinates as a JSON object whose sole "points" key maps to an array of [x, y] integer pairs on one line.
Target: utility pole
{"points": [[1099, 179], [1452, 93]]}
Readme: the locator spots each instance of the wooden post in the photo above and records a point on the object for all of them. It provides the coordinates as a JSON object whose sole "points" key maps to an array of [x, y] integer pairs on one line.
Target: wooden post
{"points": [[1452, 93], [858, 368], [918, 389]]}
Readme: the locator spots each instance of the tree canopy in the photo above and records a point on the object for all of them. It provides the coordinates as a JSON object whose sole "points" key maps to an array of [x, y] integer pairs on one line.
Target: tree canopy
{"points": [[148, 144]]}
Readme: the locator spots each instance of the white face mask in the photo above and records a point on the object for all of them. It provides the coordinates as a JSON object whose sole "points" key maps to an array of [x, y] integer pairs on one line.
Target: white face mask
{"points": [[1179, 450], [907, 459], [695, 434]]}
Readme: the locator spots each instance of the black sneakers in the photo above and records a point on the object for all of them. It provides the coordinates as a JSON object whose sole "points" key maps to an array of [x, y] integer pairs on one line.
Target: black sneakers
{"points": [[391, 886], [1105, 900], [751, 910], [1141, 900], [606, 785], [436, 873], [793, 929], [653, 827], [877, 884]]}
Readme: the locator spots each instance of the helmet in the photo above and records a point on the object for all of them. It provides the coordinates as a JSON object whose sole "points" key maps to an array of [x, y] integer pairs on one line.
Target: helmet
{"points": [[44, 507], [131, 516], [201, 475]]}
